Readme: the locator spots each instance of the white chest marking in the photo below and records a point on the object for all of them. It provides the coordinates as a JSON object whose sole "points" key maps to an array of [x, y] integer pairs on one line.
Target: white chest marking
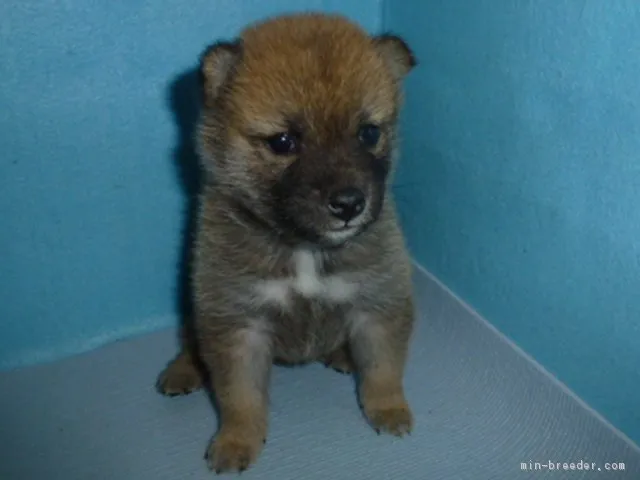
{"points": [[307, 282]]}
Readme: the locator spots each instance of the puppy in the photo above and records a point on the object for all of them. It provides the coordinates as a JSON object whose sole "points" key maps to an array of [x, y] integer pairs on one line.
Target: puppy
{"points": [[298, 255]]}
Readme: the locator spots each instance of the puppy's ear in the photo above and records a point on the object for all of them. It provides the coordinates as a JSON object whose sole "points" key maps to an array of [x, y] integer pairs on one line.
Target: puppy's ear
{"points": [[216, 63], [396, 53]]}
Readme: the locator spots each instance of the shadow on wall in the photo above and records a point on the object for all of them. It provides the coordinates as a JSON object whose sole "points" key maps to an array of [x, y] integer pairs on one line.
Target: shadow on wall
{"points": [[184, 102]]}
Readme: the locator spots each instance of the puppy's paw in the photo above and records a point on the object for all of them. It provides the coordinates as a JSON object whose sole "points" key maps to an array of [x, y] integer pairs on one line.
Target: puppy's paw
{"points": [[181, 377], [340, 361], [396, 420], [387, 411], [233, 450]]}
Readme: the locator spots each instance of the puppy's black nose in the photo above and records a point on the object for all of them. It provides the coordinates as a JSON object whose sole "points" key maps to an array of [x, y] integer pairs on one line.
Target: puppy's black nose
{"points": [[347, 204]]}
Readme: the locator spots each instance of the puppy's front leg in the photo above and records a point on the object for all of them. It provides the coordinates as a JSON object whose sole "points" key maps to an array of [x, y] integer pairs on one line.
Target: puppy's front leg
{"points": [[239, 362], [379, 343]]}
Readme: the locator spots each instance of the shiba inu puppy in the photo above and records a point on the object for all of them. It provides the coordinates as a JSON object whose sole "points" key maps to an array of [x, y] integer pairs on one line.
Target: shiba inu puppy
{"points": [[298, 255]]}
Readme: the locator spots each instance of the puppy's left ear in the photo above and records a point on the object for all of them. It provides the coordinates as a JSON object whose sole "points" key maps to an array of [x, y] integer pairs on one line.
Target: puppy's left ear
{"points": [[396, 53]]}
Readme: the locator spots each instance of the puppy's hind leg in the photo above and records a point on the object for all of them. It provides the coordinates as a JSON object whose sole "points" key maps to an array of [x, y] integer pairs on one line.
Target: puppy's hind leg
{"points": [[181, 376]]}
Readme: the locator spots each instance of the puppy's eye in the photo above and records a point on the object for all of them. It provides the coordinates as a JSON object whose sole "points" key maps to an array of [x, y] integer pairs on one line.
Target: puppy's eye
{"points": [[283, 143], [369, 135]]}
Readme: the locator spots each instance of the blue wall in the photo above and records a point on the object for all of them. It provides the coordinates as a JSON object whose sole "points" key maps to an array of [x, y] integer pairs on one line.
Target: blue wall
{"points": [[95, 170], [523, 152]]}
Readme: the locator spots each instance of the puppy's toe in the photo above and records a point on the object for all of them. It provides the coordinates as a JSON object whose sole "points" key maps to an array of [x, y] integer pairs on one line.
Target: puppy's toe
{"points": [[181, 377]]}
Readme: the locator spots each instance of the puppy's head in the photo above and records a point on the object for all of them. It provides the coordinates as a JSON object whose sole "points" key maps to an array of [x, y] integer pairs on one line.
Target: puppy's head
{"points": [[298, 123]]}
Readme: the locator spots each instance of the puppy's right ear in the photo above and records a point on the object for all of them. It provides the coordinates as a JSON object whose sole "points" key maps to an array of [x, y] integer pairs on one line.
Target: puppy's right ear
{"points": [[216, 63]]}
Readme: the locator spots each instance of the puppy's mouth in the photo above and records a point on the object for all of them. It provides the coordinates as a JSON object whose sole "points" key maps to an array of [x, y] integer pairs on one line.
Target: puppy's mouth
{"points": [[338, 236], [331, 237]]}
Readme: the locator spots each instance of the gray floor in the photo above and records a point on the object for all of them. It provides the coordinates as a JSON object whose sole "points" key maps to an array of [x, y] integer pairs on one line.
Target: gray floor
{"points": [[481, 409]]}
